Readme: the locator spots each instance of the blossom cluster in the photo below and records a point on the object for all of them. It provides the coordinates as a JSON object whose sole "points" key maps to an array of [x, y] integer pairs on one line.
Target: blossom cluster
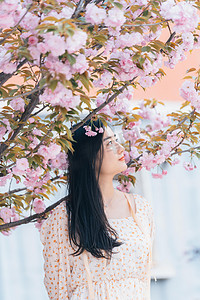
{"points": [[60, 96], [72, 57]]}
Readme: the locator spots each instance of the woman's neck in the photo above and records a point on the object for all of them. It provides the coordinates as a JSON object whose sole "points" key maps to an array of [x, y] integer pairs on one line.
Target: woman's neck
{"points": [[107, 189]]}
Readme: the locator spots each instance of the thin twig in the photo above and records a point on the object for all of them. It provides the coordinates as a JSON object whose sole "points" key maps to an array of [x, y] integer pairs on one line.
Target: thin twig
{"points": [[3, 40], [184, 151], [24, 94], [78, 9], [33, 217], [4, 77], [89, 116]]}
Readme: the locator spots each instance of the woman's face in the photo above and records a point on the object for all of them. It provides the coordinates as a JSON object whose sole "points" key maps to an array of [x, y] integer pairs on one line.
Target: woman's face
{"points": [[113, 157]]}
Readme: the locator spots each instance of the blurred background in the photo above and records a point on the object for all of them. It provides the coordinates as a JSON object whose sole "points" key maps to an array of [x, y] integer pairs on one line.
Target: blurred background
{"points": [[176, 205]]}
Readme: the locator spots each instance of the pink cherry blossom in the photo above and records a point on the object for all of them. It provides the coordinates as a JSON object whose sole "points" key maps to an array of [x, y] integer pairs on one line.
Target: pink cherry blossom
{"points": [[159, 159], [8, 13], [38, 224], [5, 65], [125, 186], [61, 96], [177, 55], [31, 120], [132, 135], [100, 99], [94, 14], [175, 161], [157, 175], [164, 172], [2, 132], [104, 80], [33, 40], [76, 42], [134, 152], [35, 142], [37, 132], [115, 18], [66, 13], [6, 122], [3, 180], [56, 66], [129, 39], [127, 69], [17, 104], [38, 205], [81, 64], [44, 151], [196, 102], [32, 179], [35, 53], [129, 171], [188, 41], [5, 214], [188, 166], [60, 161], [52, 41], [89, 132], [185, 17], [146, 81], [187, 91], [165, 8], [30, 21], [126, 156], [42, 47], [147, 161], [54, 150], [17, 171], [101, 130], [22, 164]]}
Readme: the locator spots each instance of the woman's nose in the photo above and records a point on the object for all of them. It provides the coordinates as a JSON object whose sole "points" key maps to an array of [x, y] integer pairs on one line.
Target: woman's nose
{"points": [[120, 148]]}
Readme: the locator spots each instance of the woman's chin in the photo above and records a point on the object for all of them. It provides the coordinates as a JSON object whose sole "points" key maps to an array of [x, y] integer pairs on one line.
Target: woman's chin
{"points": [[124, 167]]}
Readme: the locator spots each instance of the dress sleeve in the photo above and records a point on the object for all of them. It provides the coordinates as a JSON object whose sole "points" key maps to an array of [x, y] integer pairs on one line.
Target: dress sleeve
{"points": [[149, 211], [151, 222], [53, 235]]}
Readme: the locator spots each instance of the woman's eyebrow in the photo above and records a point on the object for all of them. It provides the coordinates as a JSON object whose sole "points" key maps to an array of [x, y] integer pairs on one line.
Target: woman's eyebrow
{"points": [[109, 137]]}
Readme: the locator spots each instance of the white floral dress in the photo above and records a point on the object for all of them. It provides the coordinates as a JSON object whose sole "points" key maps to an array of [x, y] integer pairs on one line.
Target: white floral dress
{"points": [[125, 277]]}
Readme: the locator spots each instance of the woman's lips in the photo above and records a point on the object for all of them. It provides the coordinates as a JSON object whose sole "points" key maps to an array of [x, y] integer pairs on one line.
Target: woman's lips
{"points": [[122, 158]]}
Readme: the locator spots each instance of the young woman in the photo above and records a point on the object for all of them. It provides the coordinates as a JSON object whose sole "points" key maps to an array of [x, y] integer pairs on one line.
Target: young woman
{"points": [[98, 243]]}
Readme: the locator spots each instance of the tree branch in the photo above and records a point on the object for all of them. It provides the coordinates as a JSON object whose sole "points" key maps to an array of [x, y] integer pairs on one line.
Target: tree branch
{"points": [[4, 77], [78, 9], [33, 217], [4, 39], [88, 117], [24, 94], [11, 192], [26, 114]]}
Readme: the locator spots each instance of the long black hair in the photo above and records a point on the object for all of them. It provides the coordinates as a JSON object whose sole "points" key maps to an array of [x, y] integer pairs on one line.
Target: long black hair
{"points": [[88, 226]]}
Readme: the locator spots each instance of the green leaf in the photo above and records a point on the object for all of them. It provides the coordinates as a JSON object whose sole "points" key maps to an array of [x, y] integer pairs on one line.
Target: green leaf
{"points": [[50, 19], [53, 84], [118, 5], [190, 70], [71, 59], [85, 82], [145, 13], [197, 126], [146, 49], [101, 39]]}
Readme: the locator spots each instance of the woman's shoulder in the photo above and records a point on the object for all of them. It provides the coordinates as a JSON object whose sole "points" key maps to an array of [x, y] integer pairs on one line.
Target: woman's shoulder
{"points": [[141, 202], [57, 220], [58, 212]]}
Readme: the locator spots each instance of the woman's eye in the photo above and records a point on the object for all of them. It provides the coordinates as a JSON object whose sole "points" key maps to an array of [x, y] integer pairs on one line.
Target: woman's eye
{"points": [[109, 143]]}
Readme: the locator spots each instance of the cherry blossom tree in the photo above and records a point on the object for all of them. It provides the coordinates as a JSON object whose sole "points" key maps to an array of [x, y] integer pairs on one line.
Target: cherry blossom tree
{"points": [[69, 58]]}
